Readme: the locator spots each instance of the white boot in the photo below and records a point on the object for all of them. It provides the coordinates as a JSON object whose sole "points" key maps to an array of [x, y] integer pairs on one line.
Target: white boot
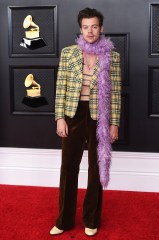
{"points": [[90, 232], [56, 231]]}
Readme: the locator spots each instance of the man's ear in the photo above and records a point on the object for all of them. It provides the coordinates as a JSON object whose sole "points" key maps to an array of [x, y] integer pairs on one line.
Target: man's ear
{"points": [[102, 29]]}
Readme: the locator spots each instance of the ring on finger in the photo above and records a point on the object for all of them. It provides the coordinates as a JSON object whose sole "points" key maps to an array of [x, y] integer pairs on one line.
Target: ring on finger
{"points": [[58, 132]]}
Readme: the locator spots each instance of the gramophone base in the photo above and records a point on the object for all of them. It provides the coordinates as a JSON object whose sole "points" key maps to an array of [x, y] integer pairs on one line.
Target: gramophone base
{"points": [[33, 43], [35, 101]]}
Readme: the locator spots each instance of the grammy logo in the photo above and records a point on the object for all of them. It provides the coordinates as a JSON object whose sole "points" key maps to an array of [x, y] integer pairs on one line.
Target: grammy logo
{"points": [[33, 97], [34, 88], [32, 39], [31, 29]]}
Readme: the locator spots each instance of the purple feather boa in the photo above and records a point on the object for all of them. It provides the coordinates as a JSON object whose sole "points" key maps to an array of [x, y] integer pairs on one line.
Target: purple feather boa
{"points": [[103, 48]]}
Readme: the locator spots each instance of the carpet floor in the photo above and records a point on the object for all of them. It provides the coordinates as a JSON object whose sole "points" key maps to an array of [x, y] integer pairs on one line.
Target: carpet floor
{"points": [[28, 213]]}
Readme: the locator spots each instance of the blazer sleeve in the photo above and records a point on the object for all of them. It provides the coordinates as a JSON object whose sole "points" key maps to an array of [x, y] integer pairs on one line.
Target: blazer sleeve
{"points": [[115, 90], [61, 84]]}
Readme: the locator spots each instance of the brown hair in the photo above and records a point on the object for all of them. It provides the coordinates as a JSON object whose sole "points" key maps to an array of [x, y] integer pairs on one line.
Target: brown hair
{"points": [[90, 13]]}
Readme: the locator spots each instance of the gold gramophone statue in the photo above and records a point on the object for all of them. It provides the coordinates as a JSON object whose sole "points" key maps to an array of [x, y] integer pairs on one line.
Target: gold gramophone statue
{"points": [[33, 96], [34, 88], [31, 29], [32, 39]]}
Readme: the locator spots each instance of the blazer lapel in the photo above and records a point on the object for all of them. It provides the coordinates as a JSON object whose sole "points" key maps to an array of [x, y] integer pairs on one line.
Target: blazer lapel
{"points": [[77, 66], [95, 73], [77, 61]]}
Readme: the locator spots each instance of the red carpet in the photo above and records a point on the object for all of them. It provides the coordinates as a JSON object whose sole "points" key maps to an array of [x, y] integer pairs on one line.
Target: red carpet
{"points": [[28, 213]]}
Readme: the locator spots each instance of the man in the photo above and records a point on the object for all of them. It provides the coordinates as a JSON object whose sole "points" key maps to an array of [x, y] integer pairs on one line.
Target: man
{"points": [[87, 108]]}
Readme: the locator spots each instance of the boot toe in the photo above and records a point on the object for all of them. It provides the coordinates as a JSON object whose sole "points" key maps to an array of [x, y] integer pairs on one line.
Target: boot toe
{"points": [[90, 231], [56, 231]]}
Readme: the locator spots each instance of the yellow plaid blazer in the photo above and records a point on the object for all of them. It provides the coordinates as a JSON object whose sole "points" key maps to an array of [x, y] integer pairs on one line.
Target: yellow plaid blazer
{"points": [[69, 84]]}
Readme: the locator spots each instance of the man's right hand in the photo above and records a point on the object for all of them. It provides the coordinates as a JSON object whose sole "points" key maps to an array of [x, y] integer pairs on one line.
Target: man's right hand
{"points": [[62, 128]]}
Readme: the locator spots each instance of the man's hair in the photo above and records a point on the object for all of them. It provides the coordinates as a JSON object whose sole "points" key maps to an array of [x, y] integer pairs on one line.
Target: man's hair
{"points": [[90, 13]]}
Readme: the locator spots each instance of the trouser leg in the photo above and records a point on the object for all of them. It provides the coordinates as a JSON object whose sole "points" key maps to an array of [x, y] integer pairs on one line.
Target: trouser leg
{"points": [[93, 198], [72, 150]]}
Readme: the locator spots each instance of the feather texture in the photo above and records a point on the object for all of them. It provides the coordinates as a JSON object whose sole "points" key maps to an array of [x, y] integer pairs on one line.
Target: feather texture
{"points": [[102, 47]]}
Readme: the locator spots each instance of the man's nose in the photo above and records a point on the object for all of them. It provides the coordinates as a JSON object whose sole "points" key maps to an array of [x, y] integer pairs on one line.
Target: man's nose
{"points": [[89, 29]]}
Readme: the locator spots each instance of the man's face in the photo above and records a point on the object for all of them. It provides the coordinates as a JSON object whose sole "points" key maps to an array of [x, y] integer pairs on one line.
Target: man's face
{"points": [[90, 29]]}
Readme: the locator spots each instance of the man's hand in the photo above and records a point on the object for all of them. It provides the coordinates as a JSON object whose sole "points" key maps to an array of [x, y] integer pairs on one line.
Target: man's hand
{"points": [[62, 128], [113, 133]]}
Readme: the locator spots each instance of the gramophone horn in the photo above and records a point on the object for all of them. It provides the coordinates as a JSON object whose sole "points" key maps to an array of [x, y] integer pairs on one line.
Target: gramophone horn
{"points": [[27, 21], [34, 25], [35, 84], [29, 80]]}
